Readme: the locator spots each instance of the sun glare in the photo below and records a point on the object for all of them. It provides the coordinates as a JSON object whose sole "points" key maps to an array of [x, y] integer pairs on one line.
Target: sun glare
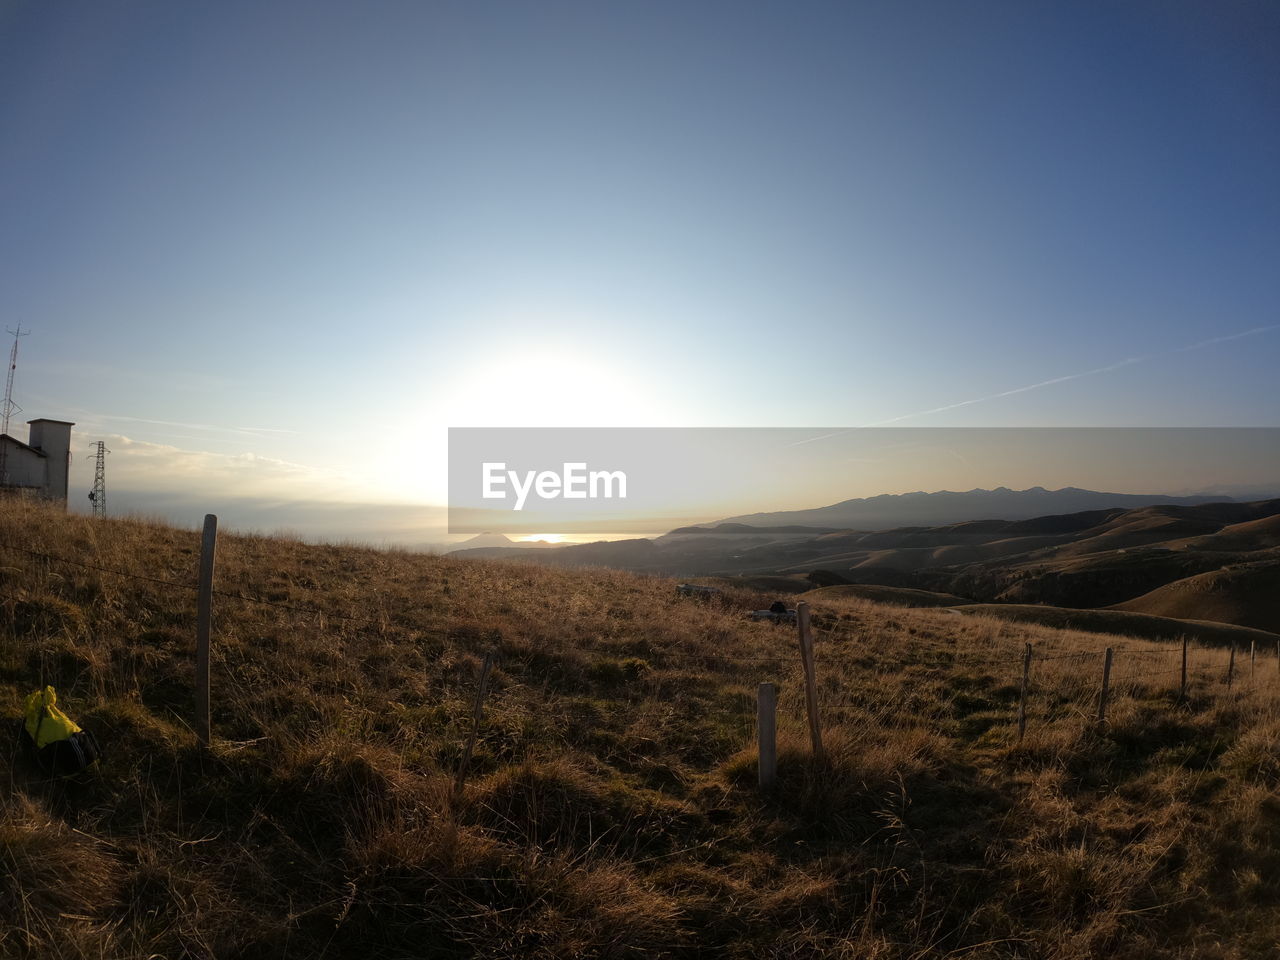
{"points": [[551, 388], [547, 537]]}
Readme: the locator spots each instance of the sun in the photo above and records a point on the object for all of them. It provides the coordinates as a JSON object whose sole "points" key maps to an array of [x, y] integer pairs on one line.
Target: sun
{"points": [[514, 385], [551, 388]]}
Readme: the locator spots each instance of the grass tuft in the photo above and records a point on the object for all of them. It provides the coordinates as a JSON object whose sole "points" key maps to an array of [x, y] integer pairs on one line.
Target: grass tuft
{"points": [[612, 807]]}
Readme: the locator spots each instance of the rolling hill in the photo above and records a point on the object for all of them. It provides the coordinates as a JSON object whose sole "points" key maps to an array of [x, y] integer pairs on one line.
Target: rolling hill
{"points": [[1260, 534], [497, 541], [889, 596], [1092, 559], [1247, 594], [611, 807], [1126, 623], [947, 507]]}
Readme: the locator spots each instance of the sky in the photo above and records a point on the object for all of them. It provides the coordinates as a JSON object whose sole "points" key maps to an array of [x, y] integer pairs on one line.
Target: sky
{"points": [[271, 252]]}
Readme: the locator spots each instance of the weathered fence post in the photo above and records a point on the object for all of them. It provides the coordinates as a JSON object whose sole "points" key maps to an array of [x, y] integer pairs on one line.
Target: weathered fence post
{"points": [[204, 617], [810, 677], [767, 727], [1231, 665], [1106, 686], [477, 714], [1022, 694], [1182, 689], [1253, 658]]}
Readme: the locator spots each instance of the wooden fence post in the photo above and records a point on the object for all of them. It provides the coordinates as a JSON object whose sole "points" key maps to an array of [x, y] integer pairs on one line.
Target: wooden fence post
{"points": [[1106, 686], [1231, 665], [1253, 658], [767, 727], [810, 677], [204, 617], [477, 714], [1182, 690], [1022, 694]]}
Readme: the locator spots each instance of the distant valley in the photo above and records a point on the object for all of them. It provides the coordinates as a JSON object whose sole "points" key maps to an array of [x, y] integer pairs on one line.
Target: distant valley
{"points": [[1182, 559]]}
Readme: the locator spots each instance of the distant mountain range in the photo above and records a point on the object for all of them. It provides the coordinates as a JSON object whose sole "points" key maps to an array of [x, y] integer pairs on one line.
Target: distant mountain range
{"points": [[1159, 569], [890, 511], [497, 541]]}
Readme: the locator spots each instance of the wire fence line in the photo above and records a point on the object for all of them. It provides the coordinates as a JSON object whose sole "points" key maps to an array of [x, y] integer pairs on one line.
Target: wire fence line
{"points": [[1078, 688], [383, 620], [193, 587], [841, 632], [100, 569]]}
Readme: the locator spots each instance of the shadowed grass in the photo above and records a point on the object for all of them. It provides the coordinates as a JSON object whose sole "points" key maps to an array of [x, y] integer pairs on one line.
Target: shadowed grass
{"points": [[612, 808]]}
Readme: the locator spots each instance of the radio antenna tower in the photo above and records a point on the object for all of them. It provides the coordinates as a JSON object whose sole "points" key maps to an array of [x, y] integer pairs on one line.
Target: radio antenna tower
{"points": [[99, 494], [10, 408]]}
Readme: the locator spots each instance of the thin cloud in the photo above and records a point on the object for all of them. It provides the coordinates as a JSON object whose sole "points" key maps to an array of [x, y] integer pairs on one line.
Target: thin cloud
{"points": [[210, 427], [90, 419], [147, 468]]}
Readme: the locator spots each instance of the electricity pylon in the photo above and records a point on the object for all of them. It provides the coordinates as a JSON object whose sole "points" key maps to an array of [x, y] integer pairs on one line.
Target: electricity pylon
{"points": [[99, 494]]}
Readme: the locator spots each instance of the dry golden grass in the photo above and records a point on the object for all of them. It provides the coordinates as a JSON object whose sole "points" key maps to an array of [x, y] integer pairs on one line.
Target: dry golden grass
{"points": [[611, 809]]}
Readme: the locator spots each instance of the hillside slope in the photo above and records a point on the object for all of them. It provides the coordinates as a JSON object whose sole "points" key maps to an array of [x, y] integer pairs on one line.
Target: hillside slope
{"points": [[612, 808], [1247, 594], [1127, 623], [949, 507], [1095, 558], [889, 596], [1260, 534]]}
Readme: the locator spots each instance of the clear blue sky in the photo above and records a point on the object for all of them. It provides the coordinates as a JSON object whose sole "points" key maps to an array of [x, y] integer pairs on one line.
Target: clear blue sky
{"points": [[320, 233]]}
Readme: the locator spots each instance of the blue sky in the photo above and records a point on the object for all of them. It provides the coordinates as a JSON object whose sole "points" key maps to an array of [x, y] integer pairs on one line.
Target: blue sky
{"points": [[281, 247]]}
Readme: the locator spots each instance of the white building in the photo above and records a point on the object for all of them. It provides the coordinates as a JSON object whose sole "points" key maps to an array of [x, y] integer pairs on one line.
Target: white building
{"points": [[38, 467]]}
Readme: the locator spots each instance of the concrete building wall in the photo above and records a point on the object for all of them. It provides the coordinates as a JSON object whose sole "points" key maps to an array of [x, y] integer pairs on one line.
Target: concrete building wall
{"points": [[53, 439], [24, 468], [43, 463]]}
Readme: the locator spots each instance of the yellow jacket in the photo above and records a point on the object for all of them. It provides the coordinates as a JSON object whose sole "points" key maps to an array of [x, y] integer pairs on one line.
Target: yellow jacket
{"points": [[45, 722]]}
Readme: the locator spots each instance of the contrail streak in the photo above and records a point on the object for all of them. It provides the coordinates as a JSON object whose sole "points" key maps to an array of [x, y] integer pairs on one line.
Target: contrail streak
{"points": [[1230, 336], [1014, 391], [1054, 380]]}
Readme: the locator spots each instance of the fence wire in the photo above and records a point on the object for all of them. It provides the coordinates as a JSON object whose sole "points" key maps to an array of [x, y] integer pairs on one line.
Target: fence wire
{"points": [[1078, 687]]}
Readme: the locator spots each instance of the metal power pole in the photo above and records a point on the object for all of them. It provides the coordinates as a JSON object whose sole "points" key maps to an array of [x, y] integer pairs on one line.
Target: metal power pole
{"points": [[99, 494], [10, 408]]}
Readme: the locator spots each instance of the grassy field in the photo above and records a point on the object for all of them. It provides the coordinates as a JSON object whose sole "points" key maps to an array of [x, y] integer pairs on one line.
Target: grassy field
{"points": [[612, 808]]}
